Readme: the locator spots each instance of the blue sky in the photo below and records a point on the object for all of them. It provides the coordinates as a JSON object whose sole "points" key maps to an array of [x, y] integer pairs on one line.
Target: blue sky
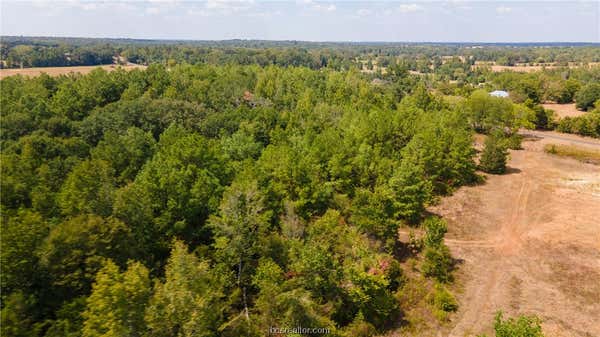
{"points": [[416, 21]]}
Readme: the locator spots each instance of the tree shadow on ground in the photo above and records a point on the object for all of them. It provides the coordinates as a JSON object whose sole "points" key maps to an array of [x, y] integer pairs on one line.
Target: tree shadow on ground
{"points": [[512, 170]]}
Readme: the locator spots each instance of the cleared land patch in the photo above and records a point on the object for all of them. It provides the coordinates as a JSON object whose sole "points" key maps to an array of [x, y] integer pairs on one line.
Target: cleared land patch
{"points": [[526, 68], [57, 71], [564, 110], [529, 242]]}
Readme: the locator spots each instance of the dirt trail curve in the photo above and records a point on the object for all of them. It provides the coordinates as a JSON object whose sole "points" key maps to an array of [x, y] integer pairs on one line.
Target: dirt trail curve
{"points": [[529, 243], [563, 138]]}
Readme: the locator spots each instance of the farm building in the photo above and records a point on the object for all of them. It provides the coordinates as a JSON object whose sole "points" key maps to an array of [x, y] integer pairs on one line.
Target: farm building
{"points": [[499, 93]]}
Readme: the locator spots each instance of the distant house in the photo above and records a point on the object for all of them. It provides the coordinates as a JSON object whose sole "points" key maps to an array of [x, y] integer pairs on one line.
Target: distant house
{"points": [[499, 93]]}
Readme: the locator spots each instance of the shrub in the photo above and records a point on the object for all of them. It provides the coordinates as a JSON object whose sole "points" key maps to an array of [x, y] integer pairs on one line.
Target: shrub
{"points": [[438, 263], [586, 125], [443, 302], [435, 229], [494, 156], [513, 141], [522, 326], [587, 95]]}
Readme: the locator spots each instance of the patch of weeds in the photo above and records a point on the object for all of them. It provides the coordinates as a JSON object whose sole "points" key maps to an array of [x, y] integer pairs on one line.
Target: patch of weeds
{"points": [[443, 302], [583, 155]]}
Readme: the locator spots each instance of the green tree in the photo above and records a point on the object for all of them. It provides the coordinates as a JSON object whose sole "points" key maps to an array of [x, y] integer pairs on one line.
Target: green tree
{"points": [[116, 305], [127, 153], [21, 237], [437, 259], [189, 302], [16, 316], [89, 188], [280, 304], [486, 113], [587, 96], [494, 156], [238, 229], [74, 250], [183, 181]]}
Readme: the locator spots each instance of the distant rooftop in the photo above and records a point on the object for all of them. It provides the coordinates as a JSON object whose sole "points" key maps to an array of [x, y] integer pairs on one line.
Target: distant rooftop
{"points": [[499, 93]]}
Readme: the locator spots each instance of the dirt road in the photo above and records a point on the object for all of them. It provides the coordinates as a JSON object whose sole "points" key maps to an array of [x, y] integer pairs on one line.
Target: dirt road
{"points": [[564, 138], [529, 243]]}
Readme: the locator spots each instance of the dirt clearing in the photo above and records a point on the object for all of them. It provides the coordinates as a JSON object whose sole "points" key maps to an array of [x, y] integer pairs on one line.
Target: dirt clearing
{"points": [[56, 71], [528, 242]]}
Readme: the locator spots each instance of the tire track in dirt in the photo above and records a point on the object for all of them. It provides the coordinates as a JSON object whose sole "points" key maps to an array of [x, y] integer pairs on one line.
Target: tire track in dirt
{"points": [[480, 305]]}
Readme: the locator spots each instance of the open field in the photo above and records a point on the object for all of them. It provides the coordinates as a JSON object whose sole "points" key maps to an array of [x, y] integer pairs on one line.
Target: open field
{"points": [[529, 68], [528, 242], [564, 110], [56, 71]]}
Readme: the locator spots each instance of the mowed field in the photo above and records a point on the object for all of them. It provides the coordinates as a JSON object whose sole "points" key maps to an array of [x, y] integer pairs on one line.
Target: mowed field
{"points": [[528, 242], [564, 110], [56, 71]]}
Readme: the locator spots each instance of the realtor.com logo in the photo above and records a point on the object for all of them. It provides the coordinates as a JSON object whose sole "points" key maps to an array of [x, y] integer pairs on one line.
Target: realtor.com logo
{"points": [[298, 330]]}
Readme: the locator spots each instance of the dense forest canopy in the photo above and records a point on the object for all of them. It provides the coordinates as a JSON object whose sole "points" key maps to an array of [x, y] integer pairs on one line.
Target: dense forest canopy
{"points": [[232, 195]]}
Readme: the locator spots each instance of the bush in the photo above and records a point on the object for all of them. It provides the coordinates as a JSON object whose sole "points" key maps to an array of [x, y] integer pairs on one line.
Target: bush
{"points": [[438, 263], [587, 95], [586, 125], [494, 156], [513, 141], [435, 229], [443, 302], [523, 326]]}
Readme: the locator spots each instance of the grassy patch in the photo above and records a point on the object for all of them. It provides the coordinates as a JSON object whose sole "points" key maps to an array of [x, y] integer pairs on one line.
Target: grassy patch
{"points": [[583, 155]]}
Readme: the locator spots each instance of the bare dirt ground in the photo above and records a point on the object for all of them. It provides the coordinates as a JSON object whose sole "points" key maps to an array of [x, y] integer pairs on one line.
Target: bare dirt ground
{"points": [[564, 110], [56, 71], [528, 242]]}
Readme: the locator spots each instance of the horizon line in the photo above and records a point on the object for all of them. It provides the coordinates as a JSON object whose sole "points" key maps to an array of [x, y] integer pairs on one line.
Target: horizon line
{"points": [[298, 40]]}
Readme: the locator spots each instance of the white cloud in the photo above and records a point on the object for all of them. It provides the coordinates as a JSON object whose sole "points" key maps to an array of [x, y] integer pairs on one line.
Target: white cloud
{"points": [[247, 8], [229, 5], [317, 6], [326, 8], [152, 10], [459, 4], [364, 12], [409, 8], [87, 5], [503, 10]]}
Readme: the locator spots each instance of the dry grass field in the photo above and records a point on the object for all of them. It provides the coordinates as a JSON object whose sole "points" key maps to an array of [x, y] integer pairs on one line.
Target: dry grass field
{"points": [[576, 152], [56, 71], [564, 110], [522, 68], [528, 242]]}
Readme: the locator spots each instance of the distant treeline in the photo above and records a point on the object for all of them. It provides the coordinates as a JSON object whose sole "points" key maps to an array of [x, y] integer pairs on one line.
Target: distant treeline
{"points": [[53, 51]]}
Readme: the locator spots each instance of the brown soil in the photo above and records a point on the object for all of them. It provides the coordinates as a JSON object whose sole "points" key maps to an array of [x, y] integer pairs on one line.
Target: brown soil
{"points": [[564, 110], [56, 71], [528, 242]]}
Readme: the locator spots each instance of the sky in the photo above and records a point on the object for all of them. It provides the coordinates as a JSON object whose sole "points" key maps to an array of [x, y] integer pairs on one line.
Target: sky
{"points": [[308, 20]]}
